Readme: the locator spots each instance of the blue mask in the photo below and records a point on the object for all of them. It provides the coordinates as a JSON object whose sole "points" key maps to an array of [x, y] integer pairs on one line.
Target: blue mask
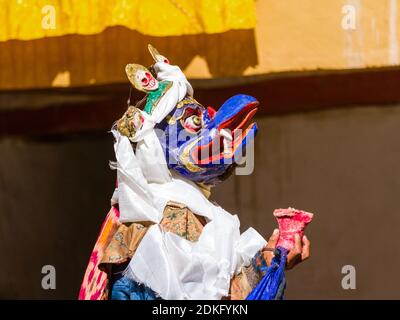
{"points": [[204, 145]]}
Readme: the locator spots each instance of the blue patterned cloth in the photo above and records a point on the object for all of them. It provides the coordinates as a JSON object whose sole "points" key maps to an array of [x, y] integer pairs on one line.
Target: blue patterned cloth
{"points": [[272, 285], [124, 288]]}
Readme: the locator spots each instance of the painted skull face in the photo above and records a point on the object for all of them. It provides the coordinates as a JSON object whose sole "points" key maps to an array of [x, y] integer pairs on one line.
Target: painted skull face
{"points": [[204, 145], [141, 78]]}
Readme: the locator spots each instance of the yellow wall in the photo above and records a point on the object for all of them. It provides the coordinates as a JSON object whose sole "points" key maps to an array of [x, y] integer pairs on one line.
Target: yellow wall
{"points": [[290, 36], [35, 19]]}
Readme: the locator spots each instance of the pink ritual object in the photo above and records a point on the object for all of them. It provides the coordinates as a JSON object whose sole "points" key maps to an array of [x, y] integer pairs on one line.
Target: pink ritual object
{"points": [[291, 221]]}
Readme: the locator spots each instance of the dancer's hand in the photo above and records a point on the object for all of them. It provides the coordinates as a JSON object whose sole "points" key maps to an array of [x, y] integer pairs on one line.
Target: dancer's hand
{"points": [[299, 253]]}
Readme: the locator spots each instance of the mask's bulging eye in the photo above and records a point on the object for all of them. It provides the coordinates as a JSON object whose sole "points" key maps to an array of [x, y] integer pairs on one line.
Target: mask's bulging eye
{"points": [[192, 123]]}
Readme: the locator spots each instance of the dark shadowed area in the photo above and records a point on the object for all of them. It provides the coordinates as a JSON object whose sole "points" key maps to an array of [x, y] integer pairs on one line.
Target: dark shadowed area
{"points": [[341, 164]]}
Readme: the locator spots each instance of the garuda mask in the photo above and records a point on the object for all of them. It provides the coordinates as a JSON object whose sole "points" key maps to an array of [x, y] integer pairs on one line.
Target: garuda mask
{"points": [[201, 144]]}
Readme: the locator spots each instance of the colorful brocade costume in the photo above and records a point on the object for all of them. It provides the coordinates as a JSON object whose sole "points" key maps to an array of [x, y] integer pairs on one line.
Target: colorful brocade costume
{"points": [[118, 241]]}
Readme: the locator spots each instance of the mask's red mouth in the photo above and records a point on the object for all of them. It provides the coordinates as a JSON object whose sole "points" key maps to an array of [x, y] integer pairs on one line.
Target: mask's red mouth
{"points": [[230, 135], [151, 83]]}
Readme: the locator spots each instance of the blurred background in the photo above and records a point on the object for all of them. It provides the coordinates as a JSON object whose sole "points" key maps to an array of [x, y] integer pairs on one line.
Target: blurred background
{"points": [[325, 72]]}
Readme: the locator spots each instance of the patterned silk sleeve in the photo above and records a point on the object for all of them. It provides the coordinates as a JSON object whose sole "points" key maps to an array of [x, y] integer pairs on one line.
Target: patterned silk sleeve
{"points": [[243, 283]]}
